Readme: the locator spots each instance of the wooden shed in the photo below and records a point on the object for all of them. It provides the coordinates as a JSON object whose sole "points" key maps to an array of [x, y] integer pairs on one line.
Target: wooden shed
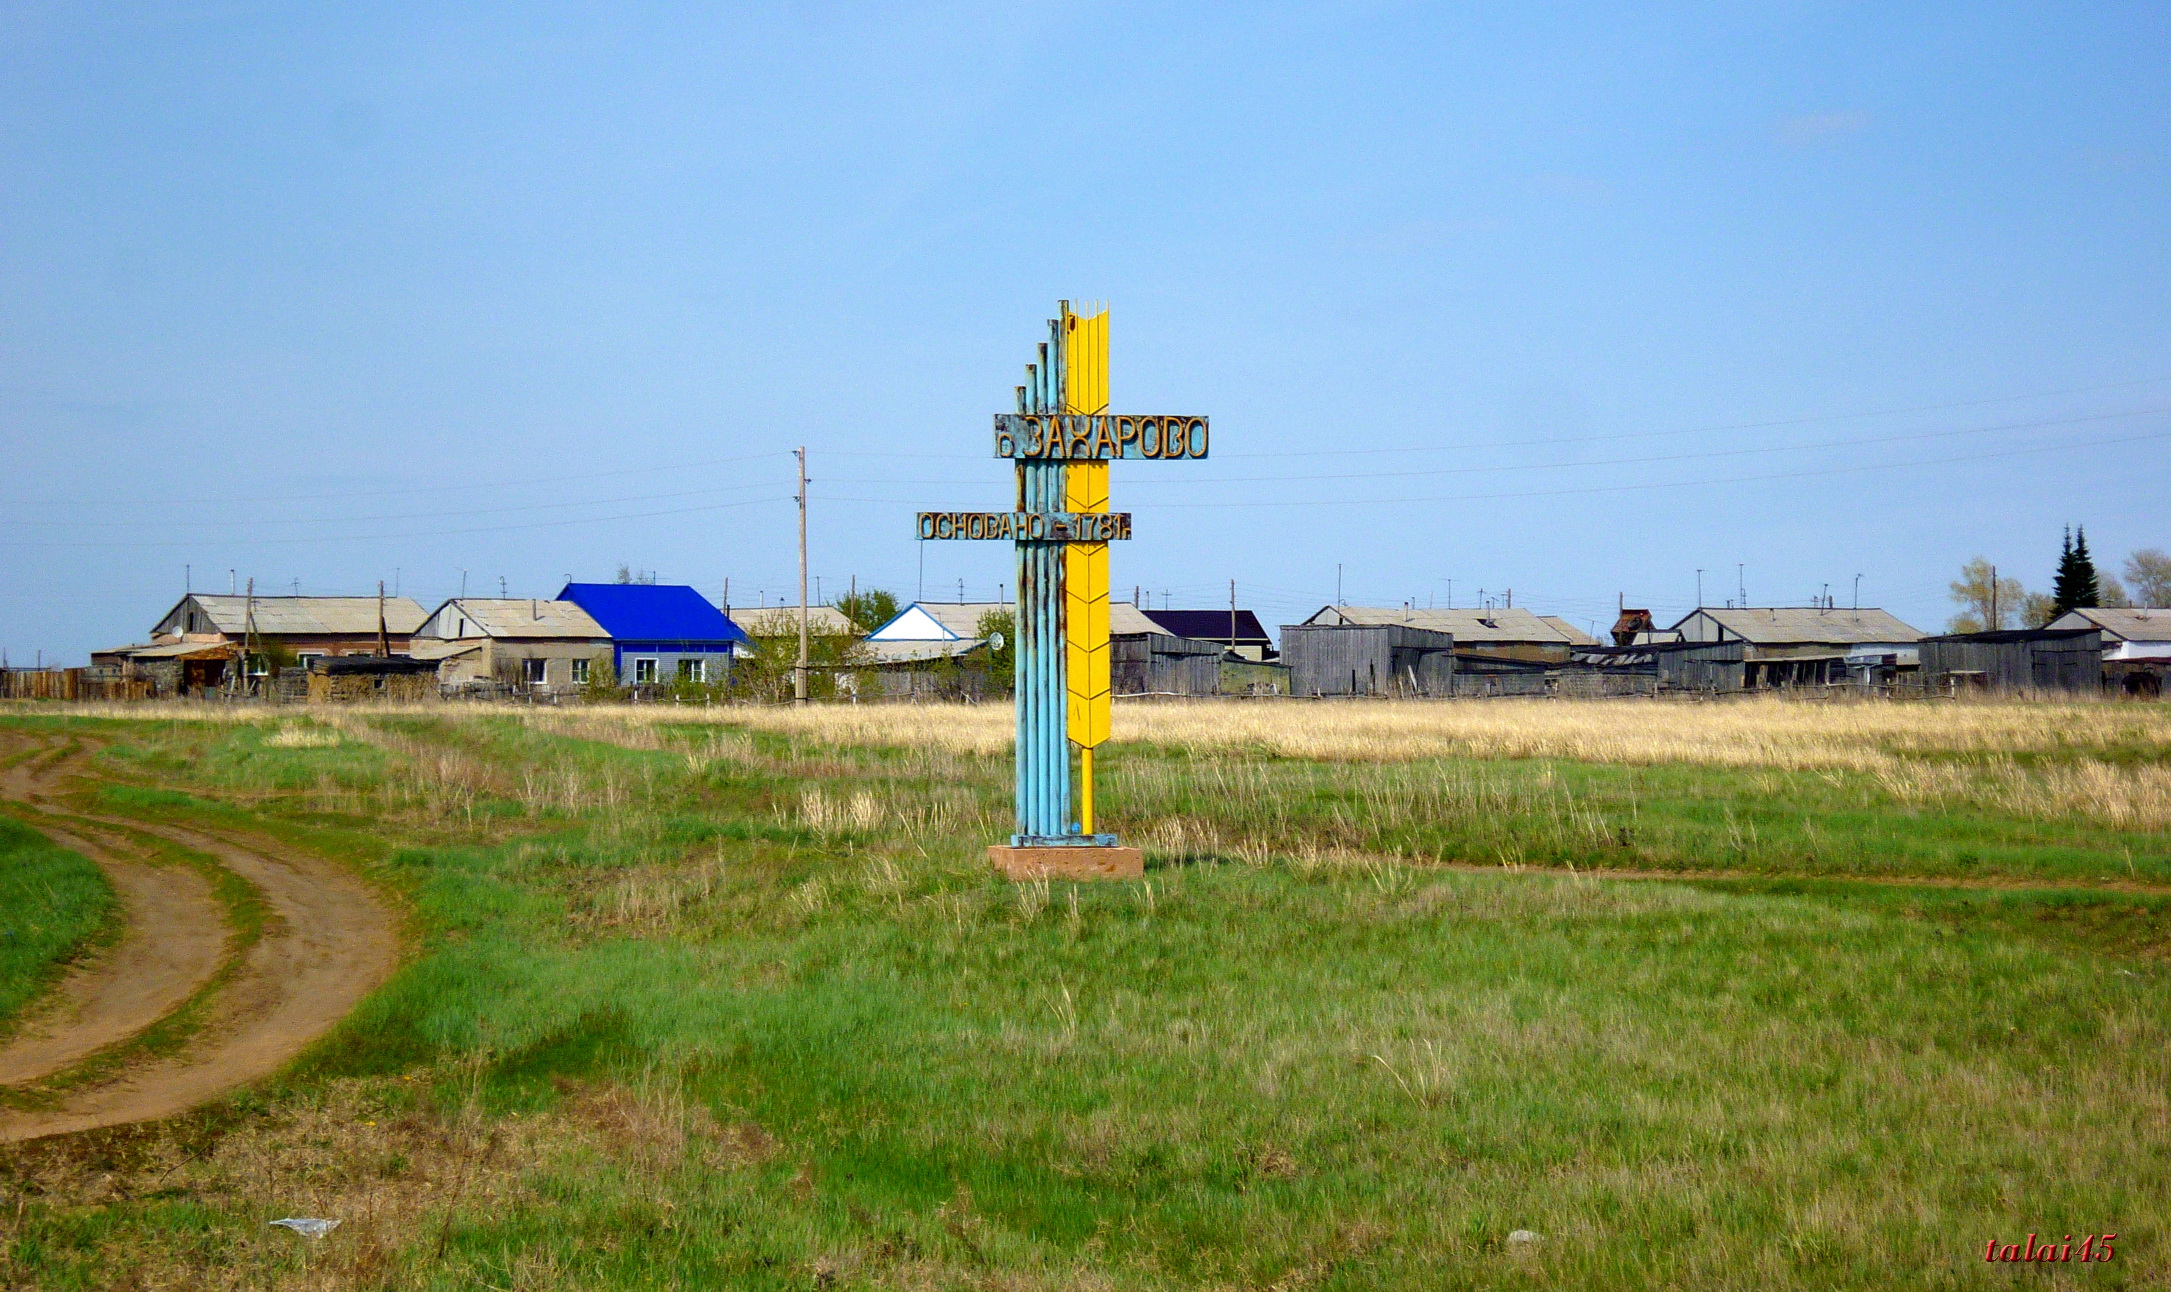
{"points": [[2026, 659], [1159, 664], [1368, 659]]}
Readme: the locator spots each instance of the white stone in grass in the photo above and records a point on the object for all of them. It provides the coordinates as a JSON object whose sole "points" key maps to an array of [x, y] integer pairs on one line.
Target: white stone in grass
{"points": [[308, 1226], [1523, 1236]]}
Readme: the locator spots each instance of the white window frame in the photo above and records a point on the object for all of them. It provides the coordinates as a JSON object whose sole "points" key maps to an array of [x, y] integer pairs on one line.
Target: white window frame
{"points": [[580, 672], [535, 671], [644, 670], [693, 669]]}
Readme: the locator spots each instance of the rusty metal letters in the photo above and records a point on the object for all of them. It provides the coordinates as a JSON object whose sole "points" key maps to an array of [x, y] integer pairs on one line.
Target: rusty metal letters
{"points": [[1098, 437]]}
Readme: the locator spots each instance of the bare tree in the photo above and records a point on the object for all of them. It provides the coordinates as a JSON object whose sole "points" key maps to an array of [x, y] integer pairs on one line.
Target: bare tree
{"points": [[2148, 577], [1987, 603]]}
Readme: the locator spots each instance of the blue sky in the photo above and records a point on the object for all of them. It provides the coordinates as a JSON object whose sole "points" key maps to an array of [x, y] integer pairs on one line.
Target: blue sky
{"points": [[1566, 300]]}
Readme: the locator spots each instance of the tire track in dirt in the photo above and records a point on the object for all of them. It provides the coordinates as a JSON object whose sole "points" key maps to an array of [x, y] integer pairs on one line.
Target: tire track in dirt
{"points": [[328, 940], [173, 939]]}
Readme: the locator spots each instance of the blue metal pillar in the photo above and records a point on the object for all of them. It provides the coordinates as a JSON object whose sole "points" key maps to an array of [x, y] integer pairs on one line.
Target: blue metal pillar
{"points": [[1043, 745]]}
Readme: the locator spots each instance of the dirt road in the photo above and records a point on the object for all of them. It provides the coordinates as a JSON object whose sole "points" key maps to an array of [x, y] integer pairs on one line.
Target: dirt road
{"points": [[328, 939]]}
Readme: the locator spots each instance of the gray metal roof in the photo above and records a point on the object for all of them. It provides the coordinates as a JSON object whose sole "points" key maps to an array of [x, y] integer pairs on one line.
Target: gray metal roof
{"points": [[955, 619], [2131, 624], [324, 616], [1575, 635], [1782, 625], [1470, 627], [434, 648], [510, 617], [1125, 619], [913, 652]]}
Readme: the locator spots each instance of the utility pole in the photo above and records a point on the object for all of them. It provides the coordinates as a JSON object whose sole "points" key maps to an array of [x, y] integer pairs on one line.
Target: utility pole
{"points": [[1338, 583], [248, 639], [1699, 589], [799, 671], [1232, 616], [384, 641], [1997, 620], [1741, 582]]}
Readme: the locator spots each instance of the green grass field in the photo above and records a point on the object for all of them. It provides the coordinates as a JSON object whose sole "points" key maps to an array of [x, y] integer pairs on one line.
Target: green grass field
{"points": [[708, 1004], [54, 906]]}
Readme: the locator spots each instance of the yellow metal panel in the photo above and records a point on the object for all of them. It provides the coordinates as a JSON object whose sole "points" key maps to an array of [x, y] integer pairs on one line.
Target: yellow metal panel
{"points": [[1085, 362], [1085, 565]]}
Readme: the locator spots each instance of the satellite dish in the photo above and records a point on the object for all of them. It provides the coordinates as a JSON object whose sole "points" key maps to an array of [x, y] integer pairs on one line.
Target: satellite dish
{"points": [[995, 641]]}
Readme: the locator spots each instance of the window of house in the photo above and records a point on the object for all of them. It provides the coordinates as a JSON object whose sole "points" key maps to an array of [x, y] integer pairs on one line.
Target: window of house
{"points": [[693, 670], [644, 670], [531, 671], [303, 661], [580, 672]]}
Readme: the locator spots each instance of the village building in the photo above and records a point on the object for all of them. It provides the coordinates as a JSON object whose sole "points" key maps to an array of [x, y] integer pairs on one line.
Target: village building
{"points": [[2136, 645], [659, 632], [350, 679], [930, 630], [195, 644], [521, 646], [1375, 659], [1505, 632], [2031, 660], [1781, 646], [1239, 633]]}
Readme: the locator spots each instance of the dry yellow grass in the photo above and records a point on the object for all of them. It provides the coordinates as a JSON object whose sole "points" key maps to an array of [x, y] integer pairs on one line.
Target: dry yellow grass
{"points": [[1750, 732], [1885, 740], [1760, 732]]}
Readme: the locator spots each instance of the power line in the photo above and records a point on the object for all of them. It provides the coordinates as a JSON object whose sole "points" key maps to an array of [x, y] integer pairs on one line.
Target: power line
{"points": [[1681, 484], [1857, 442], [424, 515], [1587, 439], [413, 533], [1729, 426], [390, 493], [1618, 488]]}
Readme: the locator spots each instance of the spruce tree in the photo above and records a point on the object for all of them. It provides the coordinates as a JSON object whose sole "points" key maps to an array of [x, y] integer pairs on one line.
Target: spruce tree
{"points": [[2076, 584], [2084, 574], [2061, 584]]}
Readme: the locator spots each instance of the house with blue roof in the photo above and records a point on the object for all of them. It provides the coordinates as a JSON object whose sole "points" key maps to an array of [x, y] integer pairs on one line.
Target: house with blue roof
{"points": [[660, 632]]}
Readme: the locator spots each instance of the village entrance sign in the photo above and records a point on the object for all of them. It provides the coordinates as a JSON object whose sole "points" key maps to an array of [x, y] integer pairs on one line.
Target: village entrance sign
{"points": [[1062, 438]]}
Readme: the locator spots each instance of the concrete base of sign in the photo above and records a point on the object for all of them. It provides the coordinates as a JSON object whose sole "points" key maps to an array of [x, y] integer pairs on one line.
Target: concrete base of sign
{"points": [[1067, 863]]}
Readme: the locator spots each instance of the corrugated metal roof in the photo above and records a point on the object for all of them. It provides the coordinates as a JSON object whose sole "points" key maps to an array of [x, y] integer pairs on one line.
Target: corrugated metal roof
{"points": [[2134, 624], [179, 650], [1780, 625], [509, 617], [326, 616], [783, 621], [912, 652], [435, 648], [1575, 635], [1126, 620], [956, 619], [652, 612], [1209, 625], [1470, 627]]}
